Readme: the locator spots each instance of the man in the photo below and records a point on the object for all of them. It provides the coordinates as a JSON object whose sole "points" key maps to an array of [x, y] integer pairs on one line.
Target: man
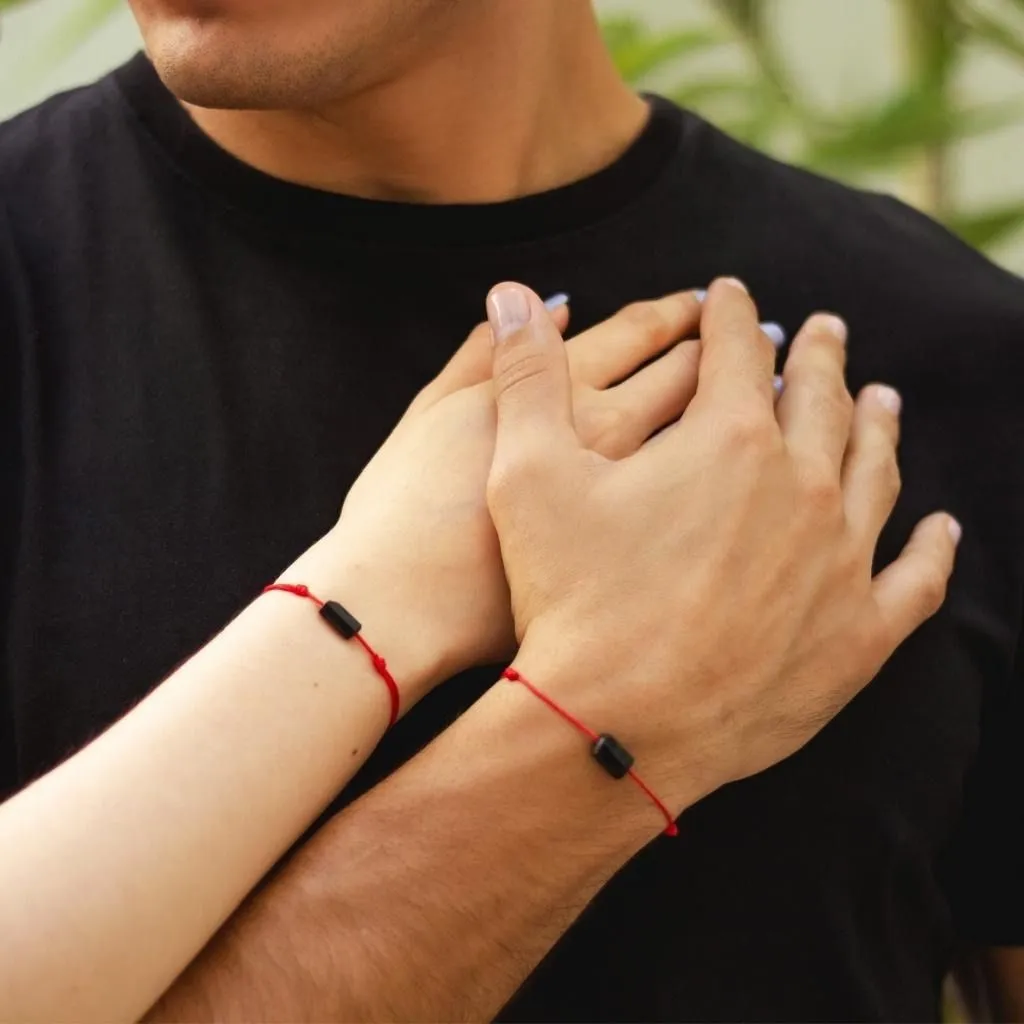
{"points": [[208, 303]]}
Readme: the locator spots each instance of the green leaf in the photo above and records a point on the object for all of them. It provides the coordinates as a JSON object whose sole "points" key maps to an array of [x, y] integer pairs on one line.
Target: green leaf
{"points": [[995, 33], [620, 31], [988, 227], [702, 91], [70, 32], [887, 134], [749, 15], [639, 52], [932, 34]]}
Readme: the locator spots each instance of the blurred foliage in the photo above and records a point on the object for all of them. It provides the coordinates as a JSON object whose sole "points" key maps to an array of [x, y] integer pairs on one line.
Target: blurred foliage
{"points": [[66, 35], [913, 132]]}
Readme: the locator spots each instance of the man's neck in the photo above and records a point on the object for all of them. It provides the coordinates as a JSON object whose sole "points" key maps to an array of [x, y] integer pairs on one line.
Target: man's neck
{"points": [[518, 101]]}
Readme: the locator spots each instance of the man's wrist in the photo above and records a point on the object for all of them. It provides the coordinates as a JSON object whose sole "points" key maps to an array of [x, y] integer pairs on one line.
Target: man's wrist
{"points": [[395, 619], [607, 699], [554, 762]]}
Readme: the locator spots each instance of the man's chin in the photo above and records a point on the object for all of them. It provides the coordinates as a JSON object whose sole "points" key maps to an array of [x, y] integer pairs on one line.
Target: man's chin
{"points": [[199, 62]]}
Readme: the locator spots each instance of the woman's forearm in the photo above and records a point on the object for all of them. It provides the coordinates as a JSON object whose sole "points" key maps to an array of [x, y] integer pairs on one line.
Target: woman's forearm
{"points": [[434, 895], [118, 866]]}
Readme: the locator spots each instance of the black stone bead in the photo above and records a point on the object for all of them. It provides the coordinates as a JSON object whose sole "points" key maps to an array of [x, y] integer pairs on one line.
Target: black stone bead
{"points": [[612, 756], [340, 619]]}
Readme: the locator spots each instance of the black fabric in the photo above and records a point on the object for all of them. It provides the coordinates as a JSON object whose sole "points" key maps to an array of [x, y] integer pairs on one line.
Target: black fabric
{"points": [[185, 340]]}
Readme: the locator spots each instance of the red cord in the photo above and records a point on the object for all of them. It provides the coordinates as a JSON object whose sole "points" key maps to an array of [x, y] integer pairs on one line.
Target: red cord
{"points": [[671, 829], [380, 666]]}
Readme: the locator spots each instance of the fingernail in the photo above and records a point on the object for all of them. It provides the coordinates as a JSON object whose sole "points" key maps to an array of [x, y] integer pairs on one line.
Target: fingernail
{"points": [[556, 302], [735, 282], [956, 531], [778, 383], [889, 399], [508, 309], [835, 325], [700, 294], [776, 333]]}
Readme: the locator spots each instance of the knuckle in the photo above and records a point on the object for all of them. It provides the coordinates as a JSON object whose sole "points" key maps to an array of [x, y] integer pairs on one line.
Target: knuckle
{"points": [[853, 565], [749, 431], [520, 368], [828, 331], [513, 474], [611, 425], [931, 591], [890, 480], [820, 489], [645, 317], [826, 409], [828, 391], [882, 477]]}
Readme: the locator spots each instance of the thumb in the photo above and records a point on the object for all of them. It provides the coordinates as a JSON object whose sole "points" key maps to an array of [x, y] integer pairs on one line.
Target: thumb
{"points": [[532, 387]]}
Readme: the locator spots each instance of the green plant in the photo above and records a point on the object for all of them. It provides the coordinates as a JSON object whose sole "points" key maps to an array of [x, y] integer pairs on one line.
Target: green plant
{"points": [[84, 18], [915, 131]]}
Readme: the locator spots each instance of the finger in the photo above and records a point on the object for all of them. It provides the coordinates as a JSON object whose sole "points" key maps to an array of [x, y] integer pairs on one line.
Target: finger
{"points": [[472, 361], [530, 368], [611, 351], [815, 410], [624, 417], [470, 365], [871, 475], [558, 306], [912, 588], [737, 358]]}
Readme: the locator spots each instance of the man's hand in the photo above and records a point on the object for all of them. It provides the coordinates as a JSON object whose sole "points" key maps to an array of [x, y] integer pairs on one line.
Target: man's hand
{"points": [[710, 594], [417, 515]]}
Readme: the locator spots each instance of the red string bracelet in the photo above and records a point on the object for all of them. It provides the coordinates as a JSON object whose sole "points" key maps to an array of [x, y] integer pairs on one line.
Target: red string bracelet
{"points": [[348, 626], [611, 755]]}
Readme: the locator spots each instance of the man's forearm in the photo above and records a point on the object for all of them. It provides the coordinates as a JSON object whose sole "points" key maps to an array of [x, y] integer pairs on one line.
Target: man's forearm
{"points": [[436, 894]]}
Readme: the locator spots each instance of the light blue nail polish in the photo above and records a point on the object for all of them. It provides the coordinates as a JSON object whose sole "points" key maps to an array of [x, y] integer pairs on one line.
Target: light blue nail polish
{"points": [[778, 383], [776, 333], [556, 302], [700, 294]]}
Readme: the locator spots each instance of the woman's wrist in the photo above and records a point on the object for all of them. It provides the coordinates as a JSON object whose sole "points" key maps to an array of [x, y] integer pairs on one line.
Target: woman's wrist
{"points": [[392, 607]]}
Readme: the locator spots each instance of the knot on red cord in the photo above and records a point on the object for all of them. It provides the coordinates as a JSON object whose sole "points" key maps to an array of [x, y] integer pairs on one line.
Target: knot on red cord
{"points": [[512, 675]]}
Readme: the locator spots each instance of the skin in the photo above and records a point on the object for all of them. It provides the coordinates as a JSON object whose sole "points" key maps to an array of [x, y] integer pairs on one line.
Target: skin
{"points": [[348, 931], [231, 758], [372, 98]]}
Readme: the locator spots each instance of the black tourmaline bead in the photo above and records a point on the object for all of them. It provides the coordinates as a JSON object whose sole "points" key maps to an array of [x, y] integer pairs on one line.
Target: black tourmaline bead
{"points": [[612, 756], [340, 620]]}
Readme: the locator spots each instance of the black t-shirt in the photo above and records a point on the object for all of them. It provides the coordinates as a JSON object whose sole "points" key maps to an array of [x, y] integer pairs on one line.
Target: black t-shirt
{"points": [[198, 359]]}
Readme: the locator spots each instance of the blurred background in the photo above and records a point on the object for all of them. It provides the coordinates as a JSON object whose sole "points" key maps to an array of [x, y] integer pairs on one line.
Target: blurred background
{"points": [[921, 98]]}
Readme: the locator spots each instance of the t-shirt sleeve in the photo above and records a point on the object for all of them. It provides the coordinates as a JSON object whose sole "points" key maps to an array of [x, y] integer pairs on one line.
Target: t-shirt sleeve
{"points": [[986, 879], [975, 369], [13, 306], [985, 873]]}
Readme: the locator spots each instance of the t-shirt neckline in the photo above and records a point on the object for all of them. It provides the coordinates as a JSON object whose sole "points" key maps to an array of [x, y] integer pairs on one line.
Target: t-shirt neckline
{"points": [[300, 208]]}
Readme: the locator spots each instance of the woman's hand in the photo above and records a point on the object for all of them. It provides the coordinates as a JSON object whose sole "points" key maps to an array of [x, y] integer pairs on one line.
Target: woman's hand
{"points": [[415, 540], [709, 598]]}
